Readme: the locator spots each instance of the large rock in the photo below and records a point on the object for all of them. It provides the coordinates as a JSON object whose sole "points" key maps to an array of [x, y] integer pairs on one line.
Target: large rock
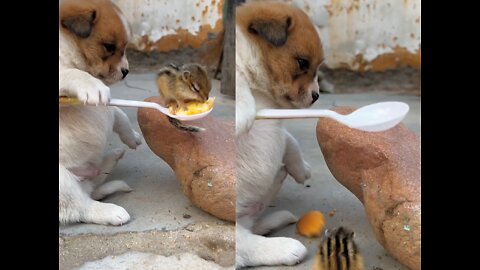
{"points": [[383, 171], [203, 162]]}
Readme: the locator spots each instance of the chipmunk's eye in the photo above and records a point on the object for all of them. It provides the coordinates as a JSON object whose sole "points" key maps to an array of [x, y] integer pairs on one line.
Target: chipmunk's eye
{"points": [[196, 87]]}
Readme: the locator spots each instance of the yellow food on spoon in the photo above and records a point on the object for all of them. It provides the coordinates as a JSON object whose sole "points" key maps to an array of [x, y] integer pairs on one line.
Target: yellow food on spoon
{"points": [[311, 224], [194, 107]]}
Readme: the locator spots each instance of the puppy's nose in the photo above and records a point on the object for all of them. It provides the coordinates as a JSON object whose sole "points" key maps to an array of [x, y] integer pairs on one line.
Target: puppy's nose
{"points": [[124, 72], [315, 96]]}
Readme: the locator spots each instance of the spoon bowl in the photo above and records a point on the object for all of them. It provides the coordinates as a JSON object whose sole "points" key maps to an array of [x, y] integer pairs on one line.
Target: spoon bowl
{"points": [[372, 118], [153, 105], [378, 116]]}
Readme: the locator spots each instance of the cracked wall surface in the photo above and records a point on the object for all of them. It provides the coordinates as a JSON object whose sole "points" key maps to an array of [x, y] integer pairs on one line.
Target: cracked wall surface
{"points": [[358, 35], [165, 25]]}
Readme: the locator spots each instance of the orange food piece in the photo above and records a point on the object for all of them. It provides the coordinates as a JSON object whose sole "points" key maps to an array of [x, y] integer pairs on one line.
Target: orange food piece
{"points": [[194, 107], [311, 224]]}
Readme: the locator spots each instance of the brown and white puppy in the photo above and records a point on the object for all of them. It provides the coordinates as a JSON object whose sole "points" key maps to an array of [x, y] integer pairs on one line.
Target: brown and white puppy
{"points": [[93, 35], [278, 52]]}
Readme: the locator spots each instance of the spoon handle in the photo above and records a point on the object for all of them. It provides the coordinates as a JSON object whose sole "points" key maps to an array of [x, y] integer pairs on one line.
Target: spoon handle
{"points": [[63, 100], [137, 104], [296, 113]]}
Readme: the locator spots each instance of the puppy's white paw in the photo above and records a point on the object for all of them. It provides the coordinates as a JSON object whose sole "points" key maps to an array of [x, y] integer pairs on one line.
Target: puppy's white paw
{"points": [[138, 138], [106, 214], [121, 186], [273, 221], [307, 170], [283, 250], [133, 140], [300, 172], [117, 153], [93, 92], [110, 188]]}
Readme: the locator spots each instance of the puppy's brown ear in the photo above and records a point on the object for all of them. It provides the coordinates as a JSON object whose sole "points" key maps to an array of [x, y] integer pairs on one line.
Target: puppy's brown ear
{"points": [[80, 25], [274, 32]]}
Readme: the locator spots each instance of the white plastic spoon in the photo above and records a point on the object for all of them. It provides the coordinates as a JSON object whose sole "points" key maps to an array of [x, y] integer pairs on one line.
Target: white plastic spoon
{"points": [[153, 105], [373, 118], [140, 104]]}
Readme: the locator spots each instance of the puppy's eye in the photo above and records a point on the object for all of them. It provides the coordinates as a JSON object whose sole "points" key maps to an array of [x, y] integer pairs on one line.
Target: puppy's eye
{"points": [[303, 64], [109, 47]]}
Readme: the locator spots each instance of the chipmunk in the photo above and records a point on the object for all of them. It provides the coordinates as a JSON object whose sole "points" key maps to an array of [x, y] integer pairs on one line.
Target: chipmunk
{"points": [[338, 251], [179, 85]]}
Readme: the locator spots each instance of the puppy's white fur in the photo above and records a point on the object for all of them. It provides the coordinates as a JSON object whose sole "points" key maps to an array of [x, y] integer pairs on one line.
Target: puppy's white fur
{"points": [[83, 132], [266, 153]]}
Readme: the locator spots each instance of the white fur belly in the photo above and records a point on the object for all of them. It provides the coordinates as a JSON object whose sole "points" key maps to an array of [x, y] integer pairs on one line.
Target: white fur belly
{"points": [[259, 157], [83, 133]]}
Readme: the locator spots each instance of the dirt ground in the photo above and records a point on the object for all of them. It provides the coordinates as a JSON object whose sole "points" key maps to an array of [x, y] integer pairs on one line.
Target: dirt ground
{"points": [[201, 239]]}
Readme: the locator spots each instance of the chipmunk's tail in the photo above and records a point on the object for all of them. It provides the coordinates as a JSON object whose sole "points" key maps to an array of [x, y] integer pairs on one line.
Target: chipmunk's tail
{"points": [[176, 123]]}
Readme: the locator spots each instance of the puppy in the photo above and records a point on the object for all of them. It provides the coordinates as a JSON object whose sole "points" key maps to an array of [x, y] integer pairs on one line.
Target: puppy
{"points": [[93, 35], [278, 52]]}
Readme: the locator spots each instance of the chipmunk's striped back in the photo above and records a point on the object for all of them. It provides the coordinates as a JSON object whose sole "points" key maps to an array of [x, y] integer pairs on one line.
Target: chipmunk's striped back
{"points": [[338, 251]]}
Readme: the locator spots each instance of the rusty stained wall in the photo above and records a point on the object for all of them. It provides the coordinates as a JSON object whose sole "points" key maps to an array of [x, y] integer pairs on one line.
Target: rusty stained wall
{"points": [[165, 25], [356, 34], [367, 34]]}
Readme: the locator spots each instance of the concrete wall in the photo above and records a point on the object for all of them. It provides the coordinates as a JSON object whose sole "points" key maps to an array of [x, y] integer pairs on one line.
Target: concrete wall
{"points": [[367, 34], [356, 34], [165, 25]]}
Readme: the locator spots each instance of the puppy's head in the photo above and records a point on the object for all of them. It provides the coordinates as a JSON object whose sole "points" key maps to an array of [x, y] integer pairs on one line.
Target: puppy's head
{"points": [[290, 49], [100, 33]]}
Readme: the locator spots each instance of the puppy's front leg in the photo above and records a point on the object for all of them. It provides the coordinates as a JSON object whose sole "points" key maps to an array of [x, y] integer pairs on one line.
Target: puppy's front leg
{"points": [[122, 127], [85, 87], [296, 166], [245, 105]]}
